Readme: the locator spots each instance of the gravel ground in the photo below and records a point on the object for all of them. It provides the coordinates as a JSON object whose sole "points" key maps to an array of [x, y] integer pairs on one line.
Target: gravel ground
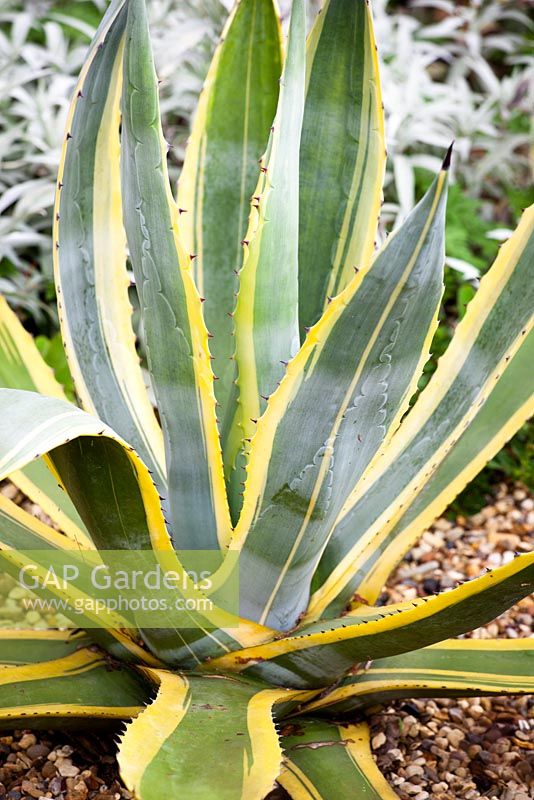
{"points": [[35, 766], [474, 747], [471, 748]]}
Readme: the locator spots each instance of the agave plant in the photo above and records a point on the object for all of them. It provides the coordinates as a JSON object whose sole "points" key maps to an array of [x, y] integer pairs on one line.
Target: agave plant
{"points": [[429, 99], [304, 457]]}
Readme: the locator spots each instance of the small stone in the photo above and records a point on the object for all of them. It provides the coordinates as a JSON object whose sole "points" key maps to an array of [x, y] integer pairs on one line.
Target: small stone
{"points": [[18, 592], [55, 785], [48, 770], [431, 585], [23, 759], [38, 751], [378, 740], [433, 539], [429, 566], [27, 740], [77, 792], [66, 768], [410, 788], [473, 750], [456, 715], [31, 789], [413, 769], [32, 617], [475, 710], [10, 491]]}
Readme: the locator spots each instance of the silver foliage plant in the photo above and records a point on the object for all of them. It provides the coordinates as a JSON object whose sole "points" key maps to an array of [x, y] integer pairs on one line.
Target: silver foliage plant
{"points": [[36, 83], [438, 84]]}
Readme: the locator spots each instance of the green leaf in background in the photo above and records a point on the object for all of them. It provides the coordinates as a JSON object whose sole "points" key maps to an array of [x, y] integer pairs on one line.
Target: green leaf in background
{"points": [[68, 12], [467, 242], [53, 353]]}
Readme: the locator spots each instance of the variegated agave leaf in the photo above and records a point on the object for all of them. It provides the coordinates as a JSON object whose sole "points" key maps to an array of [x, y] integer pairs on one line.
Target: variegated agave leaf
{"points": [[305, 457]]}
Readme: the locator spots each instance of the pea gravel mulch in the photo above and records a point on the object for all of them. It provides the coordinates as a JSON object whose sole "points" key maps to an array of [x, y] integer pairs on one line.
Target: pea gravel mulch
{"points": [[467, 749], [474, 747]]}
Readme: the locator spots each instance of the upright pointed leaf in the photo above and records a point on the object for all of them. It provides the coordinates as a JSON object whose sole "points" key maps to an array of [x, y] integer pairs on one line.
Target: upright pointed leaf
{"points": [[327, 762], [176, 337], [230, 131], [90, 253], [454, 668], [342, 397], [318, 654], [479, 382], [63, 692], [342, 154], [508, 406], [266, 316], [22, 367], [174, 747]]}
